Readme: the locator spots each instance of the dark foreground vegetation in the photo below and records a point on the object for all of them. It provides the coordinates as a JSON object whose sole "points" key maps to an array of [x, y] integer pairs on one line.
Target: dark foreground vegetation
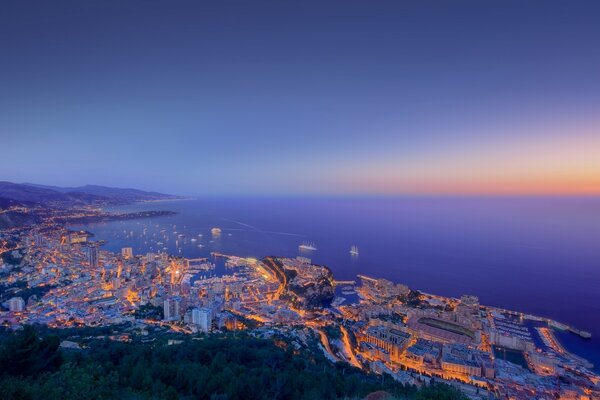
{"points": [[33, 366]]}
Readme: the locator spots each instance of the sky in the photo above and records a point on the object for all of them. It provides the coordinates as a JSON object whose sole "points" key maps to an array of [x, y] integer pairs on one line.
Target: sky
{"points": [[303, 97]]}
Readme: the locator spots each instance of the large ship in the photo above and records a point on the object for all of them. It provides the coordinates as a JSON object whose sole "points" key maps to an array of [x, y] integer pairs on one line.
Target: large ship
{"points": [[354, 250], [307, 246]]}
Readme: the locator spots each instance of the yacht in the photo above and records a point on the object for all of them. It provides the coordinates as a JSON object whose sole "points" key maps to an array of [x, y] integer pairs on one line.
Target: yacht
{"points": [[307, 246]]}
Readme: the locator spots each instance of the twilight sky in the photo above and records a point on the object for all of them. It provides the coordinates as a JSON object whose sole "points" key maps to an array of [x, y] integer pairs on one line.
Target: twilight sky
{"points": [[304, 97]]}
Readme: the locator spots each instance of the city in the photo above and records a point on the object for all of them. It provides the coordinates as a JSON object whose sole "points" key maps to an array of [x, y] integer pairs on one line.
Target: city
{"points": [[300, 200], [63, 279]]}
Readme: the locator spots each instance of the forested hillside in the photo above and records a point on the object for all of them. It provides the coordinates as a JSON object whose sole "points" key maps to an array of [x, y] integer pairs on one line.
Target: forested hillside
{"points": [[33, 366]]}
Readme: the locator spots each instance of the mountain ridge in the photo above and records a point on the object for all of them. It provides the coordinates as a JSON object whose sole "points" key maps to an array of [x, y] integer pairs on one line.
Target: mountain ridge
{"points": [[88, 194]]}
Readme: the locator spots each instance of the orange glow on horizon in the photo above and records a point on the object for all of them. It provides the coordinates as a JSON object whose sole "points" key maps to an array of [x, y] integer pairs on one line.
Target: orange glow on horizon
{"points": [[523, 186], [566, 162]]}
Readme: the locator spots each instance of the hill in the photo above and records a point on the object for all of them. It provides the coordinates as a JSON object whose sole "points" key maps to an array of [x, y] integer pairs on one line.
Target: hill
{"points": [[89, 194], [117, 194], [210, 367]]}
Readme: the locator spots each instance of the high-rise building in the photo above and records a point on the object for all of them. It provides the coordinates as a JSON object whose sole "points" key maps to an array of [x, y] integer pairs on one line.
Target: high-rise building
{"points": [[92, 256], [39, 240], [203, 318], [127, 252], [171, 310], [16, 304]]}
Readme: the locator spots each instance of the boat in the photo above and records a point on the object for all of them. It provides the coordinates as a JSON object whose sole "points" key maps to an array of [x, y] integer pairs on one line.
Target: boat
{"points": [[193, 239], [338, 301], [354, 250], [307, 246], [215, 231]]}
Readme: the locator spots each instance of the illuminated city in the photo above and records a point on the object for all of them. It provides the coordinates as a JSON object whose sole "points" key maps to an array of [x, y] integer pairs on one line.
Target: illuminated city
{"points": [[69, 280], [300, 200]]}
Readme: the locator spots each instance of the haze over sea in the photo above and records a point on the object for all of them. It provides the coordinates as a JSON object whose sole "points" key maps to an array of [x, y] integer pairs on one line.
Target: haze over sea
{"points": [[538, 255]]}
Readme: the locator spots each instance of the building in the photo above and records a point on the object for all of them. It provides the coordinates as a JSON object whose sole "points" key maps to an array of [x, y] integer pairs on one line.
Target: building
{"points": [[16, 304], [171, 310], [203, 318], [470, 300], [92, 252], [503, 338], [104, 301], [457, 358], [127, 252], [424, 352], [460, 366], [78, 237], [38, 239], [392, 341]]}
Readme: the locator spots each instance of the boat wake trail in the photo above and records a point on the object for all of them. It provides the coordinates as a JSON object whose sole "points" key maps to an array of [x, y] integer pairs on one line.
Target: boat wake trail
{"points": [[261, 231]]}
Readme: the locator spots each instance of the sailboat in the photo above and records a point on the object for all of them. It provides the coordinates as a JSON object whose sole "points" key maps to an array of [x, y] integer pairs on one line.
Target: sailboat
{"points": [[354, 250]]}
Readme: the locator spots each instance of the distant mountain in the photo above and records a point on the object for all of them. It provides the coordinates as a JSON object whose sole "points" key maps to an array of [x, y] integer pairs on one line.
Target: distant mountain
{"points": [[118, 194], [10, 219], [6, 202], [27, 193], [89, 194]]}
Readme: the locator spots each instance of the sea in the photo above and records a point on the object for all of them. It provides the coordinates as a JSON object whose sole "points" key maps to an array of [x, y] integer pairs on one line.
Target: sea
{"points": [[539, 255]]}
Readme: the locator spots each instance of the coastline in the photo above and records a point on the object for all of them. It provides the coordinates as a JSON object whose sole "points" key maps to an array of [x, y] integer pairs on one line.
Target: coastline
{"points": [[245, 243], [164, 200], [581, 360]]}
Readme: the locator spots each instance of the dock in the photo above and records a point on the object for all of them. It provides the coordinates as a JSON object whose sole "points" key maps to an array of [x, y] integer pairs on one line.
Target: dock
{"points": [[583, 334]]}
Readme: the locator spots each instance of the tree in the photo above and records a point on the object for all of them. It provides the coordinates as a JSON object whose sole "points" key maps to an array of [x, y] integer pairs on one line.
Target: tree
{"points": [[26, 353]]}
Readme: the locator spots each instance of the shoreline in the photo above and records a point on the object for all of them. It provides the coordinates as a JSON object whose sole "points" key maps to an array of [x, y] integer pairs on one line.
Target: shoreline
{"points": [[524, 313], [581, 360]]}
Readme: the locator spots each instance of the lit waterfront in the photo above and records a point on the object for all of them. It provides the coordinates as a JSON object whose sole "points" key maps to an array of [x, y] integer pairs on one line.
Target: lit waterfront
{"points": [[494, 248], [391, 329], [176, 272]]}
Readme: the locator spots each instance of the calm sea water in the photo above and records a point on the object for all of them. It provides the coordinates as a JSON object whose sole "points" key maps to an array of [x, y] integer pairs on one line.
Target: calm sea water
{"points": [[537, 255]]}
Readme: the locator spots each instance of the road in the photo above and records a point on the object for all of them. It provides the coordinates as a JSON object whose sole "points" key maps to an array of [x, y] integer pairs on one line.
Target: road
{"points": [[348, 346], [325, 343]]}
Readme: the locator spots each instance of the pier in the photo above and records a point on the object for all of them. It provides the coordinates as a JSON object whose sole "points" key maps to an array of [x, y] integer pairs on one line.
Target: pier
{"points": [[583, 334], [367, 278], [564, 327], [336, 283]]}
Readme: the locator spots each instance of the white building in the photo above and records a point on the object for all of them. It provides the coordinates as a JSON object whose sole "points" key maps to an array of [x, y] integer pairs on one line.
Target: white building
{"points": [[171, 310], [16, 304], [127, 252], [92, 252], [116, 283], [203, 318]]}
